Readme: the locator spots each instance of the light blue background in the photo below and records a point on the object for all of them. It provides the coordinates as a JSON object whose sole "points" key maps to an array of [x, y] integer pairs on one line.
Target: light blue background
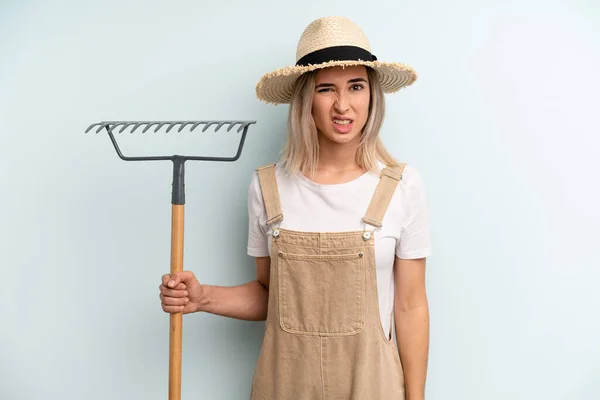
{"points": [[502, 124]]}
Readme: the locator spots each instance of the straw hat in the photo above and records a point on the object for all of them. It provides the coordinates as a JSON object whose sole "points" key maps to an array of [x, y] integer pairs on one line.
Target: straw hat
{"points": [[328, 42]]}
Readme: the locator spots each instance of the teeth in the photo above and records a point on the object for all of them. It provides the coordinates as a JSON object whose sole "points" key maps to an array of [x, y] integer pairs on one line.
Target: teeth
{"points": [[342, 121]]}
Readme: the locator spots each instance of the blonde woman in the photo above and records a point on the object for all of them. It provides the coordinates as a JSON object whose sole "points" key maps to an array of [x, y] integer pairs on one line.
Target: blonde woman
{"points": [[340, 234]]}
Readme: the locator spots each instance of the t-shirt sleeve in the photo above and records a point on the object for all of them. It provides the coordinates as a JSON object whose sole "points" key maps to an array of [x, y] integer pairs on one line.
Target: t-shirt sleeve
{"points": [[415, 240], [257, 231]]}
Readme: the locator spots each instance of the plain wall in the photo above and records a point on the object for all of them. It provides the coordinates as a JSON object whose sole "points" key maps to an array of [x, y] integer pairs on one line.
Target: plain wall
{"points": [[502, 124]]}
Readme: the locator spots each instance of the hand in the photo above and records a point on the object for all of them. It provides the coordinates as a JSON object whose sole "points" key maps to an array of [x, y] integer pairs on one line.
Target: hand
{"points": [[180, 292]]}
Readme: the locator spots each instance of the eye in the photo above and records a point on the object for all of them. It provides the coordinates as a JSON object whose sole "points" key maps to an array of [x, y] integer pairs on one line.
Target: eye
{"points": [[357, 87], [323, 90]]}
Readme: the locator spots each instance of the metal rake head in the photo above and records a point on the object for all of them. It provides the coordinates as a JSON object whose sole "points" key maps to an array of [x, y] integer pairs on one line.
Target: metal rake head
{"points": [[111, 126], [178, 189]]}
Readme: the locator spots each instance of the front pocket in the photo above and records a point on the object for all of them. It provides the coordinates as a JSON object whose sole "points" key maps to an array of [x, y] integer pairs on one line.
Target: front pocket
{"points": [[321, 294]]}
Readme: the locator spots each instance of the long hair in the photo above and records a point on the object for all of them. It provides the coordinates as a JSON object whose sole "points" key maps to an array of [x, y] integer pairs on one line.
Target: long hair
{"points": [[301, 151]]}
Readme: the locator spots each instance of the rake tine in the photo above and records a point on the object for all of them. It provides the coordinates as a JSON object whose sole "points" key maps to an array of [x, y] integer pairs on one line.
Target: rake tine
{"points": [[183, 126], [231, 125], [108, 125], [116, 125], [171, 126], [160, 126], [137, 125], [219, 126], [102, 126], [196, 124], [92, 125], [125, 126], [207, 125], [243, 126], [149, 125]]}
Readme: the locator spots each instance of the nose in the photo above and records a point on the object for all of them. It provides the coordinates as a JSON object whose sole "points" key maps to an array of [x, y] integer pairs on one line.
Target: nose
{"points": [[342, 102]]}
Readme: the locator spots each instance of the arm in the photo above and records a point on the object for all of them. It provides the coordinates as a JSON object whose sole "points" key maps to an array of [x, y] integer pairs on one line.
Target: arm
{"points": [[411, 317], [248, 301]]}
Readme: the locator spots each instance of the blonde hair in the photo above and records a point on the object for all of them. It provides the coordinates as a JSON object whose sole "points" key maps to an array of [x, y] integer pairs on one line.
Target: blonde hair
{"points": [[301, 151]]}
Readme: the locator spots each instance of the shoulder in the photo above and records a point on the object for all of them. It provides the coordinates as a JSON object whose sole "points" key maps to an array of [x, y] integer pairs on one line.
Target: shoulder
{"points": [[410, 190], [410, 176], [278, 167], [280, 174]]}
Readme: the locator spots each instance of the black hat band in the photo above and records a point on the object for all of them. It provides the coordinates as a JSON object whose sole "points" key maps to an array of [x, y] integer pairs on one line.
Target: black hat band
{"points": [[336, 53]]}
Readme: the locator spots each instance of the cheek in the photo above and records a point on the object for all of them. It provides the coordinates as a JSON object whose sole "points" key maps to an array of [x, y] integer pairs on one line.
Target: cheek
{"points": [[366, 99], [363, 106], [319, 111]]}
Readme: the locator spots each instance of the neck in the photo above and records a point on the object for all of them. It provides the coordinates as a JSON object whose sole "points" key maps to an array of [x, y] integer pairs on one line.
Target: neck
{"points": [[337, 157], [337, 162]]}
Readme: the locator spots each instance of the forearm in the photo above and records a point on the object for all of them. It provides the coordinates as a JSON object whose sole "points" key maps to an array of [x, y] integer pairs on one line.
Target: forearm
{"points": [[246, 302], [412, 337]]}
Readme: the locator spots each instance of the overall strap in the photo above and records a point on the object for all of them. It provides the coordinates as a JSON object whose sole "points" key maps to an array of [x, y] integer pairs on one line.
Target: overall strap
{"points": [[384, 191], [270, 192]]}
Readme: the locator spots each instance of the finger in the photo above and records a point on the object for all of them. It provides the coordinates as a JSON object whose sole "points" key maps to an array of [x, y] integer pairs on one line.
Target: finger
{"points": [[165, 300], [173, 309], [179, 277], [173, 292], [174, 301], [181, 286], [167, 277]]}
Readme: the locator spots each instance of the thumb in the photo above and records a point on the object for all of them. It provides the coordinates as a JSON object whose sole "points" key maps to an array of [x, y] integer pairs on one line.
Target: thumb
{"points": [[179, 277]]}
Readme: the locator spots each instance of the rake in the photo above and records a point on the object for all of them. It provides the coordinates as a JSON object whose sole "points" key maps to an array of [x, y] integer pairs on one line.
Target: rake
{"points": [[177, 211]]}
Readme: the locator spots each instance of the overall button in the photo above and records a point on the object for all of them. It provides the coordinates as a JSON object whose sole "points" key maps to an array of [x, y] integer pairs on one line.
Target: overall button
{"points": [[275, 232], [366, 235]]}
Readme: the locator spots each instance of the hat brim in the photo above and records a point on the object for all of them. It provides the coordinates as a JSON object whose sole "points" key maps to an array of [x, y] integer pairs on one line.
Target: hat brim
{"points": [[277, 87]]}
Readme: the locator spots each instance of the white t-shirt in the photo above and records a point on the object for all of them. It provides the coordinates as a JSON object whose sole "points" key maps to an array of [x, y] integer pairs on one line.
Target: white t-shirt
{"points": [[311, 207]]}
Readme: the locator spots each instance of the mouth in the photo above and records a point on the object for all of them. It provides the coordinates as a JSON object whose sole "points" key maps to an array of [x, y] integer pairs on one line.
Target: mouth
{"points": [[342, 121], [342, 125]]}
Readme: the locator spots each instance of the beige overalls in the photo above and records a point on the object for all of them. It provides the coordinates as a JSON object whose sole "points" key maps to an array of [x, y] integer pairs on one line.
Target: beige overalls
{"points": [[323, 335]]}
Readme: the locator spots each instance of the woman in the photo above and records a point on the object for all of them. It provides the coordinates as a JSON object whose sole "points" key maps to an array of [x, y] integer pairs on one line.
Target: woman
{"points": [[340, 234]]}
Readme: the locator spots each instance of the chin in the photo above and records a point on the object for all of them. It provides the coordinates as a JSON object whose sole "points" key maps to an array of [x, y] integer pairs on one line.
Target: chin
{"points": [[342, 138]]}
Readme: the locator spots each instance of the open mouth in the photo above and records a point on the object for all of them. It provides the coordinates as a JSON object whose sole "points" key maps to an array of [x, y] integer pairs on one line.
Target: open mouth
{"points": [[342, 125], [342, 121]]}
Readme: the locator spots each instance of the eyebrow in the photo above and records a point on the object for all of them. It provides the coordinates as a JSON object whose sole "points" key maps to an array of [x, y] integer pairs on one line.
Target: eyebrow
{"points": [[350, 81]]}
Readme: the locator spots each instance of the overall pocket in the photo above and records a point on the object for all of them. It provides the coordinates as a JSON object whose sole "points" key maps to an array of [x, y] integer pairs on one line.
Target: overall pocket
{"points": [[321, 294]]}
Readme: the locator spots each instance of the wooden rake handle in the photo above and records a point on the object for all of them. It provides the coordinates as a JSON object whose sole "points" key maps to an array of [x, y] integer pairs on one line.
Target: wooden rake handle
{"points": [[177, 230], [176, 323]]}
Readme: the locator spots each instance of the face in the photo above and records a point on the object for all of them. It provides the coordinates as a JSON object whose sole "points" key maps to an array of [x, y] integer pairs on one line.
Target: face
{"points": [[341, 103]]}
